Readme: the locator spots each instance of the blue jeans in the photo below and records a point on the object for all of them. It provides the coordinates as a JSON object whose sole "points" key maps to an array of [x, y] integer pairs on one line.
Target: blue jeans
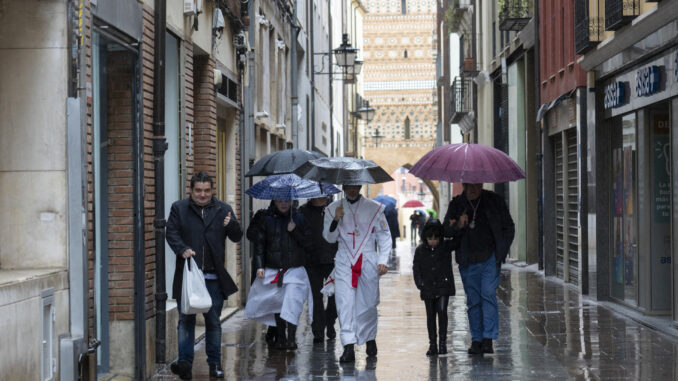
{"points": [[186, 328], [480, 284]]}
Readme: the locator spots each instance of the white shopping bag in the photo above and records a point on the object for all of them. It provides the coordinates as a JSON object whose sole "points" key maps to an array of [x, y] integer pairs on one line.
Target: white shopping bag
{"points": [[194, 295]]}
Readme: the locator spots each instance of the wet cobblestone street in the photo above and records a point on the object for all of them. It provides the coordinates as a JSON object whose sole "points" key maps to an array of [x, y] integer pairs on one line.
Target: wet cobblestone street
{"points": [[547, 331]]}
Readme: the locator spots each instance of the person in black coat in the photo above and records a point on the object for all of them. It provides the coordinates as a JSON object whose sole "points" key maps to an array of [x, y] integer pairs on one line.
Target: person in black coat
{"points": [[319, 265], [283, 240], [197, 227], [432, 270], [392, 219], [482, 230]]}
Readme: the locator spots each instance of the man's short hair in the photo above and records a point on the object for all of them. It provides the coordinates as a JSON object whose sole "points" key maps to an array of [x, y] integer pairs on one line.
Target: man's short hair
{"points": [[201, 177]]}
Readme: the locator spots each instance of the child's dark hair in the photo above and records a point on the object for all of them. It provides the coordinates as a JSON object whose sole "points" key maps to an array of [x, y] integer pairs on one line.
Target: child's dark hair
{"points": [[432, 228]]}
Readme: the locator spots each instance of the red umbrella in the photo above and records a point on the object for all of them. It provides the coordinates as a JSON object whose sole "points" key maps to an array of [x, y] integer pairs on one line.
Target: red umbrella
{"points": [[467, 163], [413, 204]]}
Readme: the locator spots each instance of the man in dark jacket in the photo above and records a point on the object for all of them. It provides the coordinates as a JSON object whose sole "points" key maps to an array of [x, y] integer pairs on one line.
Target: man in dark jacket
{"points": [[197, 227], [482, 230], [319, 265]]}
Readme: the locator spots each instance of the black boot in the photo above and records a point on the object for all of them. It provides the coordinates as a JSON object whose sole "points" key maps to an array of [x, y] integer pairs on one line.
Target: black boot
{"points": [[371, 349], [442, 347], [281, 331], [216, 371], [270, 335], [291, 336], [182, 369], [432, 349], [476, 348], [487, 346], [432, 339], [348, 355], [331, 333]]}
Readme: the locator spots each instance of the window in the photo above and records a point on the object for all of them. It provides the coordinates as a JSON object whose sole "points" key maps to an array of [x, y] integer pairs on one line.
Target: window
{"points": [[405, 54], [403, 6], [407, 128]]}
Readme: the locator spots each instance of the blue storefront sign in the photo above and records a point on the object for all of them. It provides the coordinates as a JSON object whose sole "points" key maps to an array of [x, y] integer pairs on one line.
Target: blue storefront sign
{"points": [[614, 95], [647, 81]]}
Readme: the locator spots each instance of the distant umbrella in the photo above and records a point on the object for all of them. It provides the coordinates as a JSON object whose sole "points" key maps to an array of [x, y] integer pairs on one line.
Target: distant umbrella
{"points": [[343, 170], [413, 204], [388, 201], [467, 163], [281, 162], [289, 187]]}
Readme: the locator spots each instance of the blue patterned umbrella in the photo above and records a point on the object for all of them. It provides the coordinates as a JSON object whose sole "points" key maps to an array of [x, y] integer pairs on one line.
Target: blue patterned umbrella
{"points": [[289, 187]]}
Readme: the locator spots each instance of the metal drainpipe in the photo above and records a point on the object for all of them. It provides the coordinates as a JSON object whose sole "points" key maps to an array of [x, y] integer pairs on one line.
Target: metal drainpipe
{"points": [[294, 29], [330, 81], [138, 233], [540, 148], [247, 148], [311, 128], [159, 148]]}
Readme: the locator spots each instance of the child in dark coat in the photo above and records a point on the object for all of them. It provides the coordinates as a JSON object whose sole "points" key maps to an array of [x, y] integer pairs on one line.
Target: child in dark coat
{"points": [[433, 276]]}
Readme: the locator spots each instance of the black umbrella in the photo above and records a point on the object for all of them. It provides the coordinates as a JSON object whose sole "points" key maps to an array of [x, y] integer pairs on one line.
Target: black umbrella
{"points": [[343, 170], [282, 162]]}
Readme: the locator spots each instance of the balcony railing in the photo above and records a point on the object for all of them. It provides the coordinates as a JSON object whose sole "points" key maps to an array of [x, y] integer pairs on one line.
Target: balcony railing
{"points": [[588, 29], [461, 98], [514, 14], [620, 12]]}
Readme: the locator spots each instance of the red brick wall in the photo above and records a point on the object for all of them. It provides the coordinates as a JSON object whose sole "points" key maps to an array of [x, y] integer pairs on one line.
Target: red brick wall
{"points": [[558, 68], [188, 88], [147, 72], [205, 128], [120, 189]]}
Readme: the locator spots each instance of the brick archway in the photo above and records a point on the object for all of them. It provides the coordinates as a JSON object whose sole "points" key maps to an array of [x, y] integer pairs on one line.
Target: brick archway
{"points": [[393, 155]]}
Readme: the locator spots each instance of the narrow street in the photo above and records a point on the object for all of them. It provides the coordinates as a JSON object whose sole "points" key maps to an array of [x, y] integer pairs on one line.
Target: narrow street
{"points": [[547, 331]]}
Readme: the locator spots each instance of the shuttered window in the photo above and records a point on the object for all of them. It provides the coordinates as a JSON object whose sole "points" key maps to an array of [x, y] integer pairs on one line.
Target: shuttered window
{"points": [[567, 201]]}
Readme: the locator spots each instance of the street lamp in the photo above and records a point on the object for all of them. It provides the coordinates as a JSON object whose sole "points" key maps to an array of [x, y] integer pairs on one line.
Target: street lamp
{"points": [[345, 54], [376, 136], [366, 112]]}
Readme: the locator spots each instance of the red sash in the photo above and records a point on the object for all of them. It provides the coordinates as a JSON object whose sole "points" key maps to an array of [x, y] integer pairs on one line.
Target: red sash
{"points": [[356, 271]]}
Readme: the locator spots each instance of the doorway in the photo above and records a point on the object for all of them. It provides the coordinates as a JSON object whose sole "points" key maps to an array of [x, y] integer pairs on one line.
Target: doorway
{"points": [[114, 115]]}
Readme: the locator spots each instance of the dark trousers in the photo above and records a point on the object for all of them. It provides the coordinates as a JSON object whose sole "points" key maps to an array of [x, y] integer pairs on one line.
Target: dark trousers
{"points": [[436, 307], [322, 316]]}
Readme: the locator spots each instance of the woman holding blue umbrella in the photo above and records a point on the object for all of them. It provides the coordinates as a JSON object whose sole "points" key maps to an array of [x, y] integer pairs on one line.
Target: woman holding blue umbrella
{"points": [[283, 239]]}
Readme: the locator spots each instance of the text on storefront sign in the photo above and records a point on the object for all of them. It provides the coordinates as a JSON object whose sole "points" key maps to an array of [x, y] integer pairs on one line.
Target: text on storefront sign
{"points": [[647, 81], [614, 95]]}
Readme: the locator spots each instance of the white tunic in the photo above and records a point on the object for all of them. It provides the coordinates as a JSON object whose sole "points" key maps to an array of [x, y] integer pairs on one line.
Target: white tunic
{"points": [[267, 299], [362, 229]]}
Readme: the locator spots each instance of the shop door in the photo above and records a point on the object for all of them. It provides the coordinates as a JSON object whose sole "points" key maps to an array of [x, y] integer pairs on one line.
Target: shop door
{"points": [[114, 94], [567, 207], [624, 259], [660, 220]]}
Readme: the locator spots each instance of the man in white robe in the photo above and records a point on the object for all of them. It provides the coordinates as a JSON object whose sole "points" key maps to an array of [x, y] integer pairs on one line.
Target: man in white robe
{"points": [[359, 225]]}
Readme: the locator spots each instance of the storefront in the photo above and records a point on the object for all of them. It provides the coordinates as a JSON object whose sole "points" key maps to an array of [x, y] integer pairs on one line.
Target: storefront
{"points": [[637, 105]]}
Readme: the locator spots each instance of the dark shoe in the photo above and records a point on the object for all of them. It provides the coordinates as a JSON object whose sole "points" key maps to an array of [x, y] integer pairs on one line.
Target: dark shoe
{"points": [[348, 355], [442, 347], [487, 346], [318, 339], [270, 335], [291, 336], [432, 350], [331, 333], [182, 369], [216, 371], [476, 348], [371, 349]]}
